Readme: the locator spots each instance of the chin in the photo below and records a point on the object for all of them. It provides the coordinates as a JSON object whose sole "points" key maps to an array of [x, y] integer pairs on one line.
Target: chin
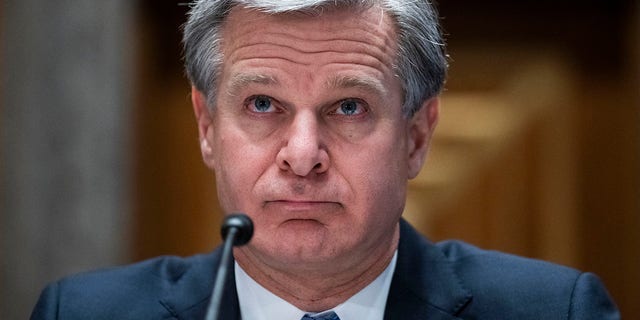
{"points": [[298, 250]]}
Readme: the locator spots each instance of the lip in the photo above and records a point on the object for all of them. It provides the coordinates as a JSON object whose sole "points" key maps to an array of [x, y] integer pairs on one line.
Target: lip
{"points": [[303, 205]]}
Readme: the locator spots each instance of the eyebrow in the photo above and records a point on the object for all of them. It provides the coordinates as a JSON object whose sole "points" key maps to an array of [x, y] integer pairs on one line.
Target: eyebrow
{"points": [[367, 84], [242, 80]]}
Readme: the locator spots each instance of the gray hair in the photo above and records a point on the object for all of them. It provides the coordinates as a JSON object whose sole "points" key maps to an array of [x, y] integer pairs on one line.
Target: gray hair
{"points": [[421, 62]]}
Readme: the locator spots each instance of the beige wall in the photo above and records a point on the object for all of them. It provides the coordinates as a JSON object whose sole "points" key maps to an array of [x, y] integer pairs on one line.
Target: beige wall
{"points": [[64, 132]]}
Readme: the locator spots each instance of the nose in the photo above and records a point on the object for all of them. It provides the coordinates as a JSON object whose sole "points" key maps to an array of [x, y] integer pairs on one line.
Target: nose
{"points": [[303, 152]]}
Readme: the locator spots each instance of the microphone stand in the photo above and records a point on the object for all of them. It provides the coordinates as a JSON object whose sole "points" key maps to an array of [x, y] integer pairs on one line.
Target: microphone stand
{"points": [[237, 229]]}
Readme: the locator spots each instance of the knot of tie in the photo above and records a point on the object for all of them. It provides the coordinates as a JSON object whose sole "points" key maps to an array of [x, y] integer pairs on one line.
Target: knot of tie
{"points": [[325, 316]]}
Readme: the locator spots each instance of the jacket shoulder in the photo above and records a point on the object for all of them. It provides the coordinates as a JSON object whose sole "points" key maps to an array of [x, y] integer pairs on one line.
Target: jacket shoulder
{"points": [[124, 292], [469, 259], [518, 287]]}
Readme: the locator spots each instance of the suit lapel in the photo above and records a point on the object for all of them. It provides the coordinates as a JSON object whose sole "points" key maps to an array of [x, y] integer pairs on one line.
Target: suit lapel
{"points": [[187, 297], [424, 284]]}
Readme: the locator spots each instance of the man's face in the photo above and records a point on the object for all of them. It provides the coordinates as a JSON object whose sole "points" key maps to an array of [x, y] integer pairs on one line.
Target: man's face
{"points": [[308, 136]]}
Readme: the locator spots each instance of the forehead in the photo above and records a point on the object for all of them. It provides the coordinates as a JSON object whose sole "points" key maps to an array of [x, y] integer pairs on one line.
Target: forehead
{"points": [[334, 41], [341, 30]]}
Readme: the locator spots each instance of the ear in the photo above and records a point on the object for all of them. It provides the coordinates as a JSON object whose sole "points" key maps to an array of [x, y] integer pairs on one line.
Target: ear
{"points": [[421, 128], [205, 123]]}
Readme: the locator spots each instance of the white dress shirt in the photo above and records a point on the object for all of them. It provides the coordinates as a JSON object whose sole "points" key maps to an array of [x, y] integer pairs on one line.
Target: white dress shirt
{"points": [[258, 303]]}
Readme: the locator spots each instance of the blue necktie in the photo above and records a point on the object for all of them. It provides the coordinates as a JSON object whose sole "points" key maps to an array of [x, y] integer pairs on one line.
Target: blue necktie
{"points": [[325, 316]]}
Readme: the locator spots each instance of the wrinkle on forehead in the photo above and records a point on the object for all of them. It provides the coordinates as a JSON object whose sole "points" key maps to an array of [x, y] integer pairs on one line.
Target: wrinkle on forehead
{"points": [[285, 36]]}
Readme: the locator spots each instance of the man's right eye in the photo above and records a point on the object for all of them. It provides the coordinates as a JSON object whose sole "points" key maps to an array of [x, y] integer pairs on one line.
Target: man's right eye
{"points": [[260, 104]]}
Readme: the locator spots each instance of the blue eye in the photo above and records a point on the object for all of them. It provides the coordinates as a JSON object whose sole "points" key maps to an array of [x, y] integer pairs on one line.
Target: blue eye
{"points": [[262, 103], [350, 107]]}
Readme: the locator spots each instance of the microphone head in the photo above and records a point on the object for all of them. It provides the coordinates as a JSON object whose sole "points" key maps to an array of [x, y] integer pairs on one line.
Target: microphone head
{"points": [[243, 225]]}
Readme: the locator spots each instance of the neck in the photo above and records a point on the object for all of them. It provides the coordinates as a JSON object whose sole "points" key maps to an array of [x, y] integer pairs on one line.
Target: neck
{"points": [[316, 289]]}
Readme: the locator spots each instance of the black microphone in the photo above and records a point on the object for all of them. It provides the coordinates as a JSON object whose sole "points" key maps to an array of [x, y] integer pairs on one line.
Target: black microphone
{"points": [[236, 230]]}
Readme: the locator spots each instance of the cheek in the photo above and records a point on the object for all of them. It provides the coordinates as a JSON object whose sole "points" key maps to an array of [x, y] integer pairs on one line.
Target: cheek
{"points": [[386, 186], [378, 174], [238, 166]]}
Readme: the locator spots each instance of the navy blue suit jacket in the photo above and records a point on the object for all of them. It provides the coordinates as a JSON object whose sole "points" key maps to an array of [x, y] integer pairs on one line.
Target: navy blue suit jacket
{"points": [[448, 280]]}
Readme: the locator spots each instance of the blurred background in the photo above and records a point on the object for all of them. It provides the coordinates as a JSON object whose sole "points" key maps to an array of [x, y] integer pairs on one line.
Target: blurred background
{"points": [[537, 151]]}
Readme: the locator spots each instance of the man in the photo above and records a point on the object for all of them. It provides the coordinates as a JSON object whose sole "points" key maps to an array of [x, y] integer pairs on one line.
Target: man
{"points": [[313, 115]]}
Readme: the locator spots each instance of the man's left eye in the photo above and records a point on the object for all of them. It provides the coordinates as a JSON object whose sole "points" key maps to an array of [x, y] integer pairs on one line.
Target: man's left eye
{"points": [[350, 107], [261, 104]]}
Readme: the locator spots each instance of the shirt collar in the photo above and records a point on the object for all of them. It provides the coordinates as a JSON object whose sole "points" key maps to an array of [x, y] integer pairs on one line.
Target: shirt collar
{"points": [[258, 303]]}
